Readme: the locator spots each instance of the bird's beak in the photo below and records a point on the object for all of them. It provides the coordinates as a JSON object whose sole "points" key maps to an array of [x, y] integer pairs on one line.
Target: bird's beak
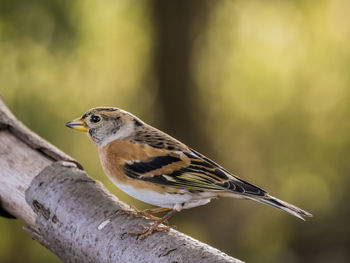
{"points": [[77, 124]]}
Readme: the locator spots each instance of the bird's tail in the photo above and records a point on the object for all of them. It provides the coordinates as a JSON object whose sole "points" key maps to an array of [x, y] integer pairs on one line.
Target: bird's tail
{"points": [[284, 206]]}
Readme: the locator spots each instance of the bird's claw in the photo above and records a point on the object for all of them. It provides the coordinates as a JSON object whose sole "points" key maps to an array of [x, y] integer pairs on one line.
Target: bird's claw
{"points": [[148, 230]]}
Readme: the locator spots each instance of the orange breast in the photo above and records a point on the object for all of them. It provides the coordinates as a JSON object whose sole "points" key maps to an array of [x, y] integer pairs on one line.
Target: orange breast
{"points": [[114, 155]]}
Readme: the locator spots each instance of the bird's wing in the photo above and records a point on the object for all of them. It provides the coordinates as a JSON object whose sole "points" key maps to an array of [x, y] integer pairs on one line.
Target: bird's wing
{"points": [[188, 170]]}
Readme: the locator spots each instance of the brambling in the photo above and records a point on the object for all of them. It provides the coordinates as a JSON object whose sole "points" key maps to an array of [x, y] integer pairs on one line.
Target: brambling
{"points": [[155, 168]]}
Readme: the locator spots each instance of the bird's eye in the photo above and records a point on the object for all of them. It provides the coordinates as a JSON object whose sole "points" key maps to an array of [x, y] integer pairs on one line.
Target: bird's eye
{"points": [[95, 118]]}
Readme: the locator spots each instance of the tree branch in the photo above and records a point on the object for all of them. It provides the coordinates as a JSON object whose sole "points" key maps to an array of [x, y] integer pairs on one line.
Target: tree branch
{"points": [[73, 215]]}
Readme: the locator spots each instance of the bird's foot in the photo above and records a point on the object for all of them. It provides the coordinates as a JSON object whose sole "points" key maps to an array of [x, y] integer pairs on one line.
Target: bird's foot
{"points": [[148, 230], [155, 226]]}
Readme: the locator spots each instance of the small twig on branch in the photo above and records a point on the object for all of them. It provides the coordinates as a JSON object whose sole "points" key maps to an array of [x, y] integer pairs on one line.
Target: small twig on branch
{"points": [[71, 214]]}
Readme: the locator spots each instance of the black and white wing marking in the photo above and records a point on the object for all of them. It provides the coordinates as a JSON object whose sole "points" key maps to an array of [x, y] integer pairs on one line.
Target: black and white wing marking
{"points": [[193, 172]]}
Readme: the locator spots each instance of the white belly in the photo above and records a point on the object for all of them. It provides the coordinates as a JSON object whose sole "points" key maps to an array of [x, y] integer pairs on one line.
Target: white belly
{"points": [[166, 200]]}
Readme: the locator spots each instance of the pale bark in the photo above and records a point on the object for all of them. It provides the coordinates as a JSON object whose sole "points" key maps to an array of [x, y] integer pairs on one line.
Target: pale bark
{"points": [[73, 215]]}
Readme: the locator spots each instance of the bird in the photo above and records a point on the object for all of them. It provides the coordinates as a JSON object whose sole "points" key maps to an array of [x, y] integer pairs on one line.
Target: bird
{"points": [[156, 168]]}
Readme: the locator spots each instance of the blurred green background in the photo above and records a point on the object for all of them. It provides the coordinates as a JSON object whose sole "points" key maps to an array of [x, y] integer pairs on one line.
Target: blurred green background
{"points": [[261, 87]]}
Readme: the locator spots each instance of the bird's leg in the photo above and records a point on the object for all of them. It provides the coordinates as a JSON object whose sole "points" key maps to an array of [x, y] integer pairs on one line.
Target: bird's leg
{"points": [[132, 211], [145, 213], [148, 212], [155, 226]]}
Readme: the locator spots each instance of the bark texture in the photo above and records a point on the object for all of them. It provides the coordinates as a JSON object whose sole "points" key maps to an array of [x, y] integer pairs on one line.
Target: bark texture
{"points": [[73, 215]]}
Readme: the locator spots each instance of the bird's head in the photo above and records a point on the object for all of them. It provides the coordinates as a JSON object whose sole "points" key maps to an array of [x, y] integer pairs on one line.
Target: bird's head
{"points": [[106, 124]]}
